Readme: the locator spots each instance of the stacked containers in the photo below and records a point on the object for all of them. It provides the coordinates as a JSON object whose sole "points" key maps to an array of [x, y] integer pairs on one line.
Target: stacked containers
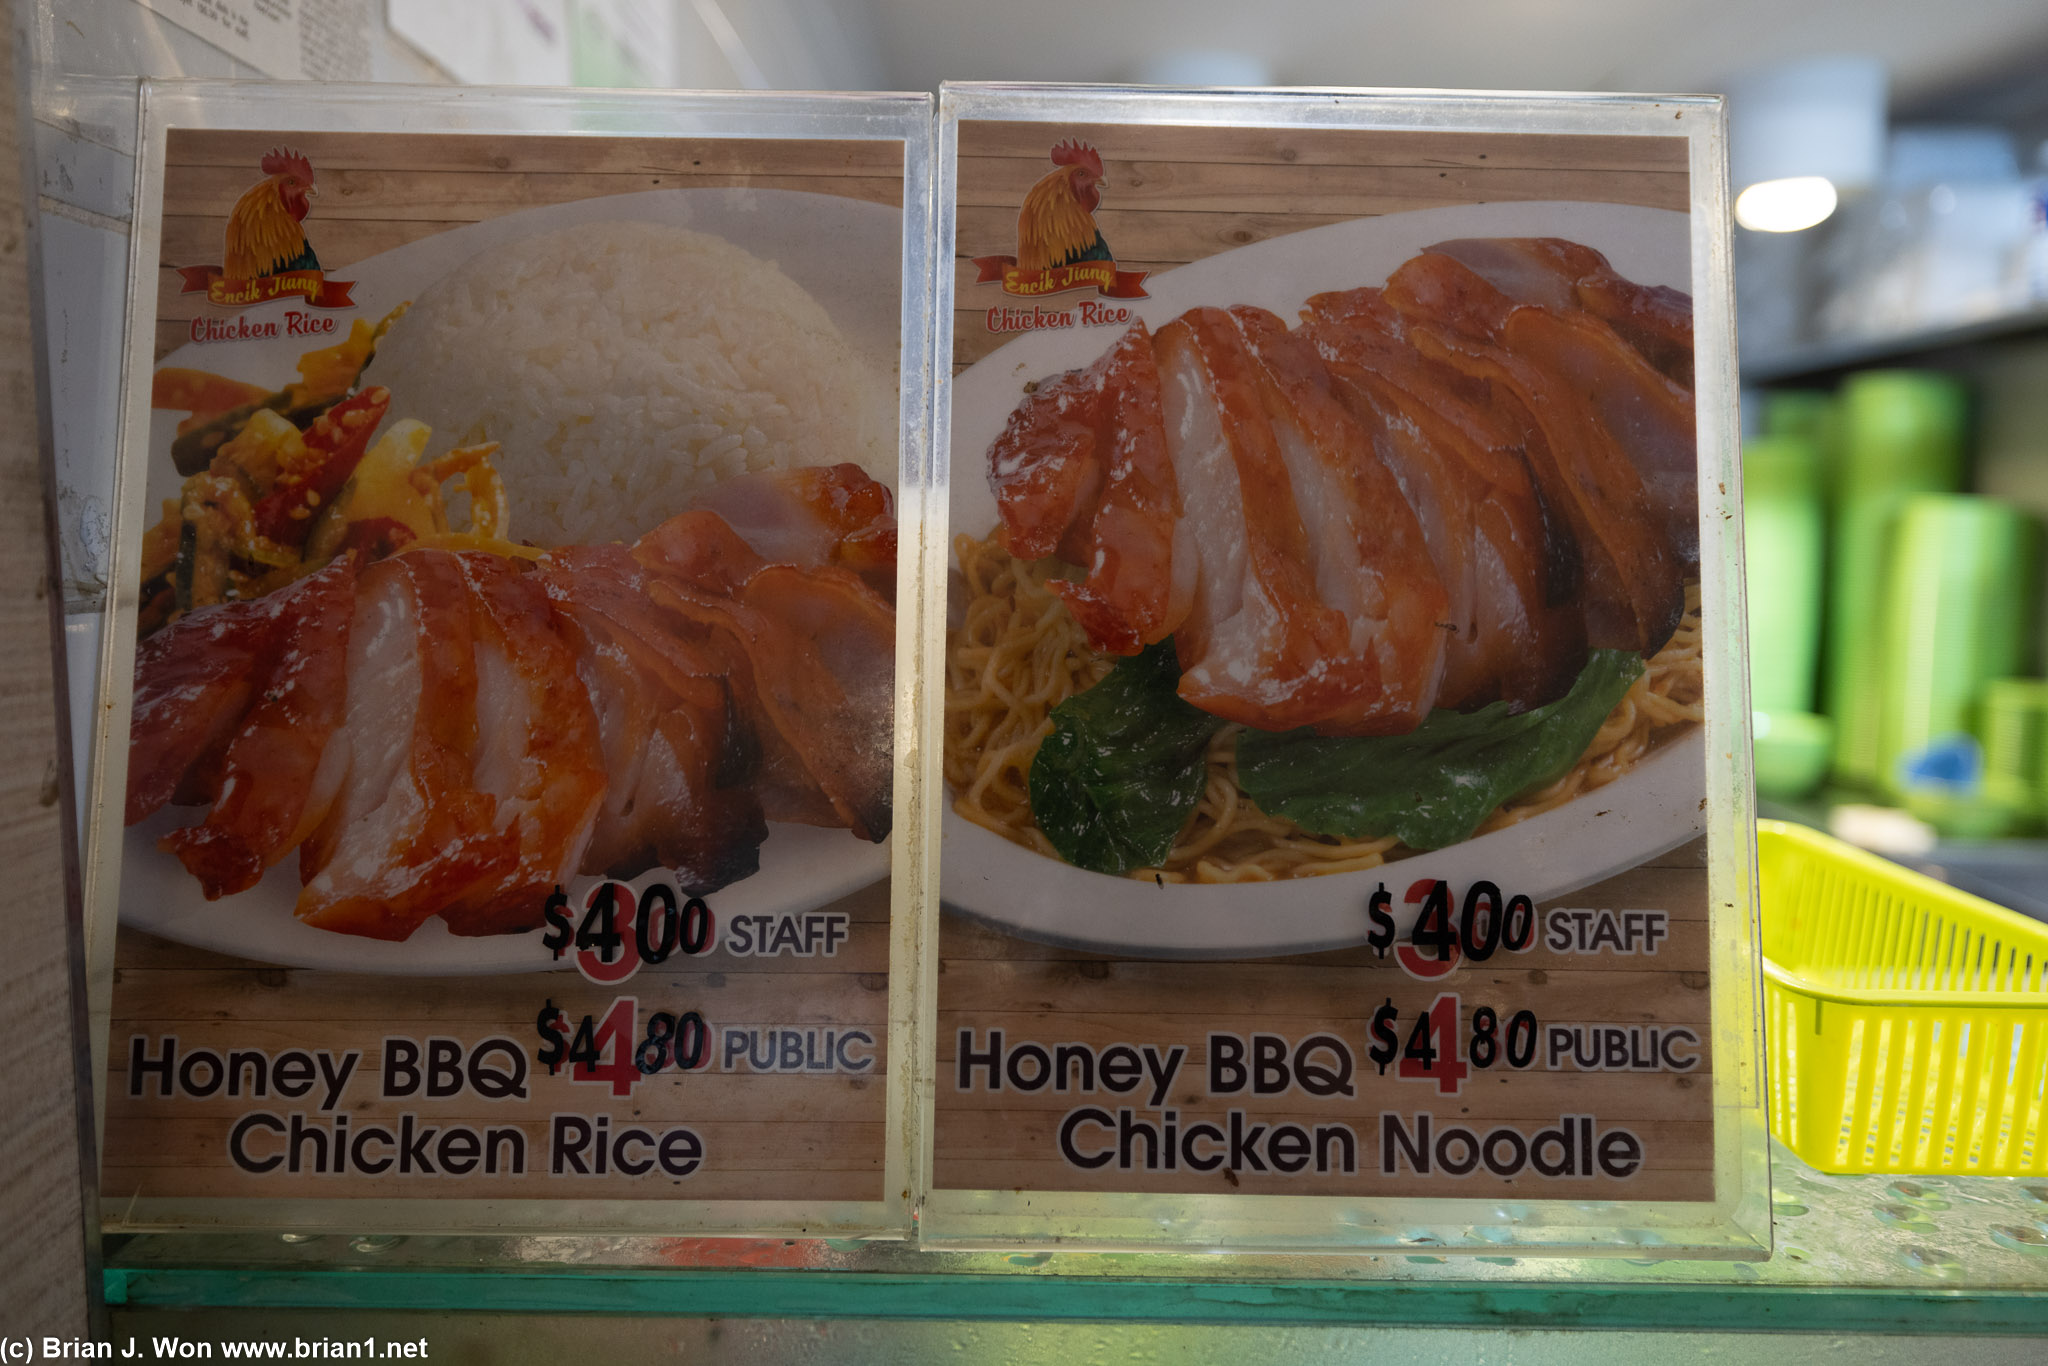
{"points": [[1784, 528], [1959, 602], [2013, 723], [1902, 434]]}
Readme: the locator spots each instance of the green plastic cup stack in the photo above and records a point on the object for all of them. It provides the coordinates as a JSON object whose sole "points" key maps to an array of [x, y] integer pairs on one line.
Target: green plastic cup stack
{"points": [[1901, 434], [2013, 724], [1812, 415], [1959, 609], [1784, 531]]}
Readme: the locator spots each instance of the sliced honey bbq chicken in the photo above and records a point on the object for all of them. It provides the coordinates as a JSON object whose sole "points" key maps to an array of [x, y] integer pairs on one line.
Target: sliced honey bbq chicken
{"points": [[1312, 568], [676, 793], [236, 713], [1561, 275], [1082, 471], [456, 733], [409, 829], [1440, 493], [808, 650], [1509, 630], [1630, 591]]}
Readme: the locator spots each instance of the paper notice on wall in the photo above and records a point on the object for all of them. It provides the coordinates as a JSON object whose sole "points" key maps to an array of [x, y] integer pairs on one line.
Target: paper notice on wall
{"points": [[293, 40], [489, 42], [334, 39], [626, 43]]}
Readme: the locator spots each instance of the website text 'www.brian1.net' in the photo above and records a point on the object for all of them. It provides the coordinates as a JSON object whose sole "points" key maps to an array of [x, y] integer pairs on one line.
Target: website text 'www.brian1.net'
{"points": [[14, 1349]]}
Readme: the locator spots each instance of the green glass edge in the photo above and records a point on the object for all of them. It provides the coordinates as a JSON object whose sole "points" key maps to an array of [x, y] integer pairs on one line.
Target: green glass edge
{"points": [[784, 1294]]}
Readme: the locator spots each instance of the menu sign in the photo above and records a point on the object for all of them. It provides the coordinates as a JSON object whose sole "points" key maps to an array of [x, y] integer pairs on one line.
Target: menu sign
{"points": [[1327, 675], [509, 771]]}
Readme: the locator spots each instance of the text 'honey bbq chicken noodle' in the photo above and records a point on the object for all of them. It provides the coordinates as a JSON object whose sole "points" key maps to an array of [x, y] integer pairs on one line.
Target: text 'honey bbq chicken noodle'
{"points": [[1448, 516], [456, 732]]}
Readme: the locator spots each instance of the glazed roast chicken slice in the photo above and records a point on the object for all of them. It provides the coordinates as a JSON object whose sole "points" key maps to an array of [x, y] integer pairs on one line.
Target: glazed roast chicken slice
{"points": [[1370, 557], [1646, 416], [794, 616], [457, 733], [1502, 564], [1259, 644], [261, 683], [1655, 319], [537, 754], [676, 795], [1626, 347], [1084, 472], [811, 650], [811, 517], [1441, 493], [409, 830], [1632, 589]]}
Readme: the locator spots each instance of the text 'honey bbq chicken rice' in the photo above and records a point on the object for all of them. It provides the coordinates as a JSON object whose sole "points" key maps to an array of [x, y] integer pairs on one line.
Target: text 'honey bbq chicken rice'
{"points": [[1269, 601]]}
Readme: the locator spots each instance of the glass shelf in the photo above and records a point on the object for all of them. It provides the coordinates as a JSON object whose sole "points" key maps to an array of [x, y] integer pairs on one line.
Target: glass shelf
{"points": [[1862, 1254]]}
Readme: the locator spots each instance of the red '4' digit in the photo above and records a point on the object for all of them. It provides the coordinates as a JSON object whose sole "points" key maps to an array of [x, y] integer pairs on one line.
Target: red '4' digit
{"points": [[1432, 1051], [614, 1043]]}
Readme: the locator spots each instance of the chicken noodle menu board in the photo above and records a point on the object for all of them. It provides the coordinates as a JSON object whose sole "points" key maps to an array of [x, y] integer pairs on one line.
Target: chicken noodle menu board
{"points": [[510, 767], [1324, 681]]}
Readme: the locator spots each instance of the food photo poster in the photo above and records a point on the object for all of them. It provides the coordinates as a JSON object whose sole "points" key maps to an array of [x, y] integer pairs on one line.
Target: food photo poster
{"points": [[1117, 669], [499, 798], [1343, 831]]}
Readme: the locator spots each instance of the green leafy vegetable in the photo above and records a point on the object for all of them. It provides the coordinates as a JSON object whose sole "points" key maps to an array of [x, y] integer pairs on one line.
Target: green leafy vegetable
{"points": [[1123, 768], [1115, 782], [1433, 786]]}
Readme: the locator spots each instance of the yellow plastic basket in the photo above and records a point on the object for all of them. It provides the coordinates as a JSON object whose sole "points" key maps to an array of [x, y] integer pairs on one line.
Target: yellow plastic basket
{"points": [[1907, 1021]]}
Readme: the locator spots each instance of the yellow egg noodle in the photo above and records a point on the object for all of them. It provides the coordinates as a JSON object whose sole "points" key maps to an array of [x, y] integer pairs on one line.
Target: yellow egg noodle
{"points": [[1013, 653]]}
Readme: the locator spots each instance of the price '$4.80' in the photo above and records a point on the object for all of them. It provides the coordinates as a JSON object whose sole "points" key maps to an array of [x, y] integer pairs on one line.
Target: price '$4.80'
{"points": [[612, 1049], [617, 932]]}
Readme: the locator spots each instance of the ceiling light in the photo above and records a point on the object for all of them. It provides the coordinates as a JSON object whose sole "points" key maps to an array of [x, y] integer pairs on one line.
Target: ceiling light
{"points": [[1799, 133], [1792, 204]]}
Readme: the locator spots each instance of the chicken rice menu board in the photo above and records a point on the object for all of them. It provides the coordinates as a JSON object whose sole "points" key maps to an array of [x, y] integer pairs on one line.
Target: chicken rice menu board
{"points": [[1325, 788], [511, 763]]}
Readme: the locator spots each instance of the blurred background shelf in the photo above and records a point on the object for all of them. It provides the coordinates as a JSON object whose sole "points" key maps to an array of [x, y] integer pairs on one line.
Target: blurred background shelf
{"points": [[1942, 347], [2013, 873], [2010, 872]]}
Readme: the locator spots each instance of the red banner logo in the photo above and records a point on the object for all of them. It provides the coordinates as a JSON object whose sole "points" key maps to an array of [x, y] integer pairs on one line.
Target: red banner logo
{"points": [[312, 285], [1101, 276]]}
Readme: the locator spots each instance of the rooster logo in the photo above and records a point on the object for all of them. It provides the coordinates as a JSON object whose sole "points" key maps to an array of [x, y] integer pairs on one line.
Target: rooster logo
{"points": [[1059, 246], [1057, 225], [265, 253], [264, 236]]}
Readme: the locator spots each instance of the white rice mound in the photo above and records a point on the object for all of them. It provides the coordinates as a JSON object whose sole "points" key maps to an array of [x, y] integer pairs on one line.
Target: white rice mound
{"points": [[625, 366]]}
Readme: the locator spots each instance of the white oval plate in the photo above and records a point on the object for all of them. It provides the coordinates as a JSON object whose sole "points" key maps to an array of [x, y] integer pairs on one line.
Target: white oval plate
{"points": [[1650, 810], [848, 254], [802, 868]]}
